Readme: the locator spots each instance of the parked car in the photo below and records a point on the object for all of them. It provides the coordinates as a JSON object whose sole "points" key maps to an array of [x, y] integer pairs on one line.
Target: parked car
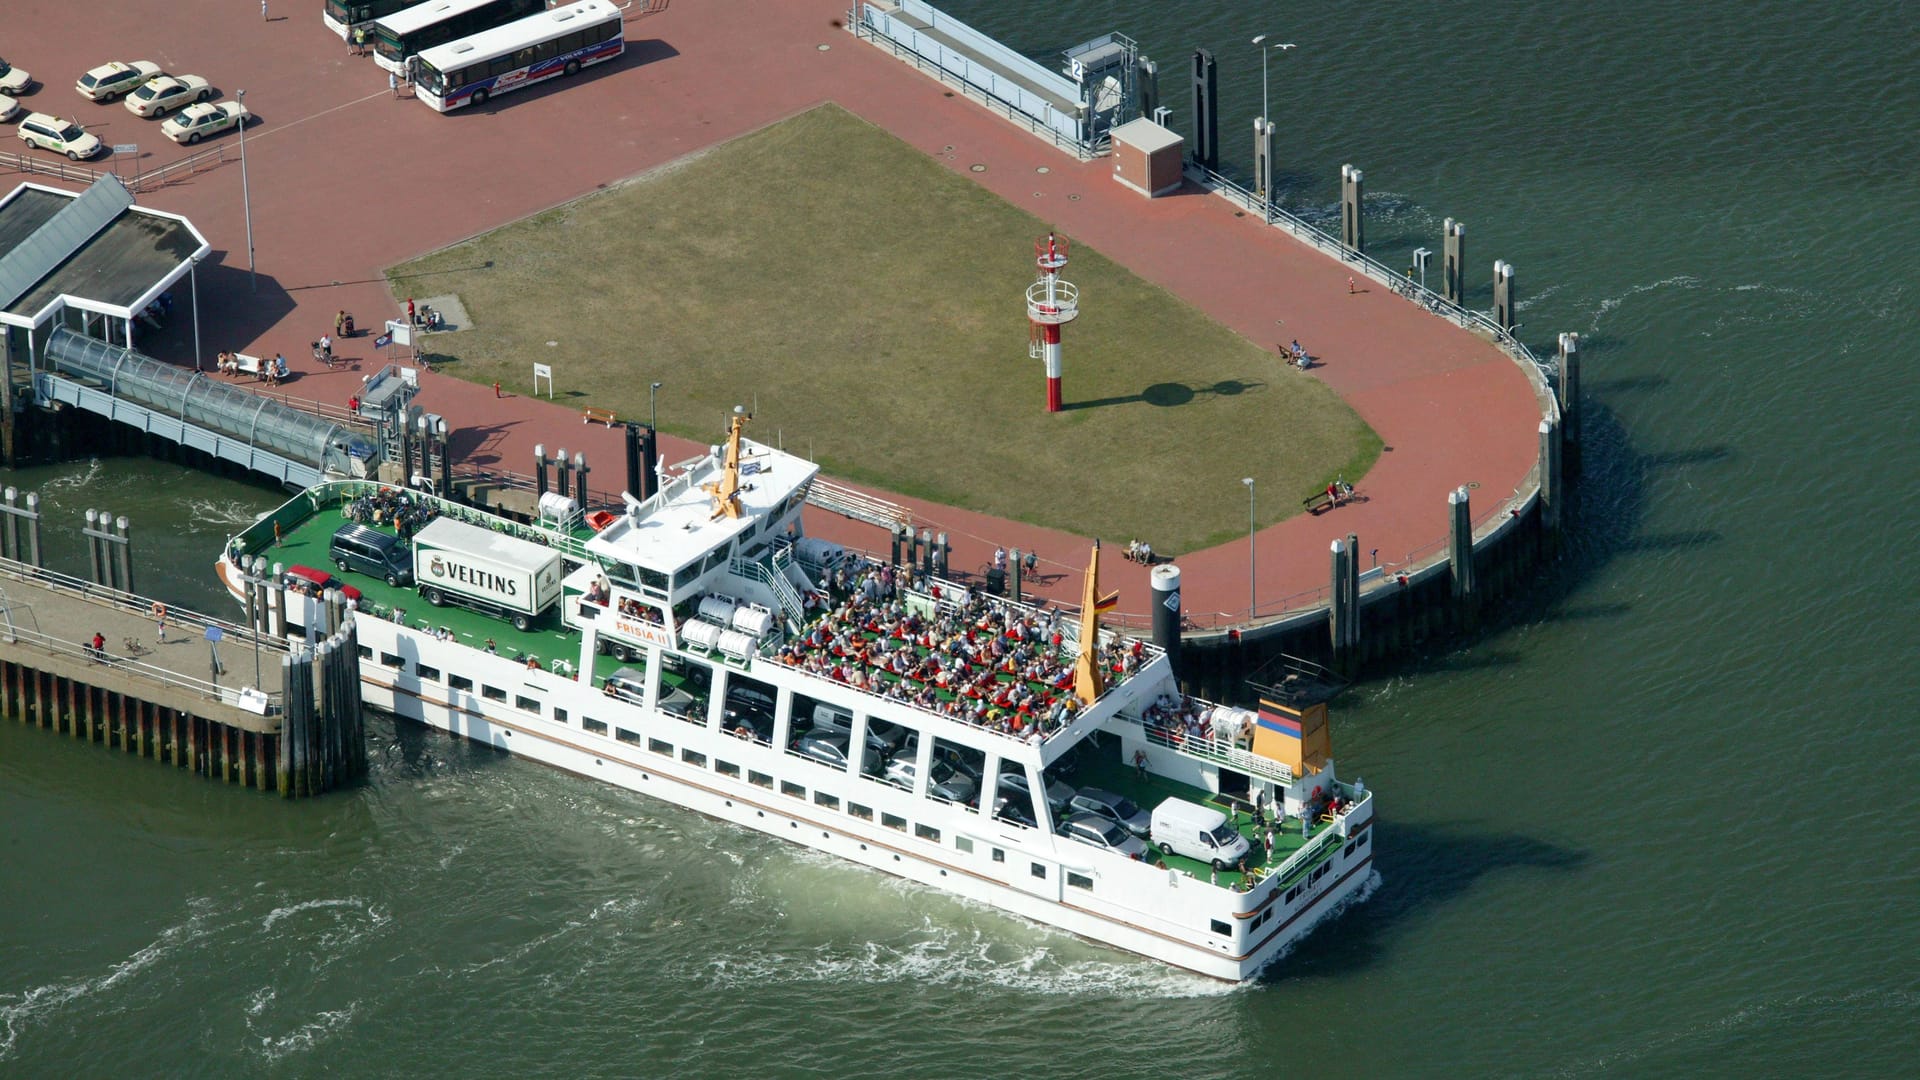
{"points": [[1097, 831], [112, 79], [13, 80], [1118, 809], [828, 749], [165, 93], [316, 582], [943, 782], [8, 107], [59, 136], [196, 122], [1014, 808], [1058, 794], [627, 684]]}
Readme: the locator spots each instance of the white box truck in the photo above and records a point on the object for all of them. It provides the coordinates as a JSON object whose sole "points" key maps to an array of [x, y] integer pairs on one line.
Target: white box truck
{"points": [[1198, 832], [495, 574]]}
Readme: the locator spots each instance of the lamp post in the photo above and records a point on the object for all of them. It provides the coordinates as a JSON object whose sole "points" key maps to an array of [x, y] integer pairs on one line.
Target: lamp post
{"points": [[1266, 118], [1252, 578], [246, 200], [653, 407]]}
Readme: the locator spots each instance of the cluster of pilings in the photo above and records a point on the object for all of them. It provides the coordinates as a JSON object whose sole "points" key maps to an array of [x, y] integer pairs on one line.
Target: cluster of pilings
{"points": [[323, 739], [925, 551], [176, 736]]}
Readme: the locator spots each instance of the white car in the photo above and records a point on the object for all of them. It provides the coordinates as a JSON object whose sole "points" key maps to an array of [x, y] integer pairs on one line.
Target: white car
{"points": [[59, 136], [165, 93], [13, 80], [8, 107], [110, 80], [196, 122]]}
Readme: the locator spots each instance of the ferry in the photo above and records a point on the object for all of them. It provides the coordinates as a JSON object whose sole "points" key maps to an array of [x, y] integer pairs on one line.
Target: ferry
{"points": [[699, 648]]}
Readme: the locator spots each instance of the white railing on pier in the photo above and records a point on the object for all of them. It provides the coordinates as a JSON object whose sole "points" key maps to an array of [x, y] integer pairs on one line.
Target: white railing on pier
{"points": [[857, 505]]}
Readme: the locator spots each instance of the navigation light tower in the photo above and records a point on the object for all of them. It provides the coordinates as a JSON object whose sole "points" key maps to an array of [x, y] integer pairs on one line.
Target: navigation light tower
{"points": [[1051, 302]]}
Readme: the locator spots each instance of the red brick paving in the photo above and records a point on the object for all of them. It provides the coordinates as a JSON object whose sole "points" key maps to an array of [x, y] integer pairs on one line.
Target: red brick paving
{"points": [[346, 181]]}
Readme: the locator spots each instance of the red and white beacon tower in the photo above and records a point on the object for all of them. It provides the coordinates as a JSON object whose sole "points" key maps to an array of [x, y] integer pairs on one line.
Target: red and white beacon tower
{"points": [[1051, 302]]}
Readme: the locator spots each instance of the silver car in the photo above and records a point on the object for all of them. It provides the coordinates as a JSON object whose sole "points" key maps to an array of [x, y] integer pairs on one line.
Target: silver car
{"points": [[943, 783], [1118, 809], [1058, 794], [1094, 830]]}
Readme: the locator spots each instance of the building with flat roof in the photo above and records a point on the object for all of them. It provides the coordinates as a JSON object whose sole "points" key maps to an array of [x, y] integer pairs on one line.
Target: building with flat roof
{"points": [[90, 261]]}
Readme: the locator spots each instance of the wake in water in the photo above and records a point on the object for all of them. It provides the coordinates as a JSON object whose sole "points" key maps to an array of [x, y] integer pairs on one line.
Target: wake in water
{"points": [[76, 480], [229, 512]]}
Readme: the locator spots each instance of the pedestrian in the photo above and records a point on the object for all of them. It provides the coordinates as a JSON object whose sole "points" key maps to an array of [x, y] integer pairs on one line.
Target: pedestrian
{"points": [[496, 390], [99, 646], [159, 611], [340, 323], [359, 41], [1350, 289], [1140, 763], [999, 558], [263, 10], [353, 404], [393, 84], [410, 319], [1269, 844]]}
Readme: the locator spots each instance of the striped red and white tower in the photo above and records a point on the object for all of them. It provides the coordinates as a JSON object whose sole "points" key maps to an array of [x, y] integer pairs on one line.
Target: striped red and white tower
{"points": [[1051, 302]]}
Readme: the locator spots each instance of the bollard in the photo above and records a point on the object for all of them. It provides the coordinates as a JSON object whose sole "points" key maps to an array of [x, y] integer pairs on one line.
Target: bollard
{"points": [[1460, 544], [279, 596], [580, 479], [93, 548], [1503, 297], [124, 553], [1549, 476], [1353, 592], [1337, 600], [893, 546], [926, 552], [12, 536], [539, 471], [941, 551], [33, 528], [1013, 577], [1263, 159], [1568, 363], [1205, 114], [445, 486], [1165, 580], [636, 487], [560, 473], [1353, 230], [1452, 272], [650, 462]]}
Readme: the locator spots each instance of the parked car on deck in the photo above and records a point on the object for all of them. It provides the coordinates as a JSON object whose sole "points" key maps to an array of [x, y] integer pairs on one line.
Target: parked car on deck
{"points": [[59, 136], [1097, 831], [1118, 809], [112, 79], [315, 582], [13, 80], [165, 93], [196, 122]]}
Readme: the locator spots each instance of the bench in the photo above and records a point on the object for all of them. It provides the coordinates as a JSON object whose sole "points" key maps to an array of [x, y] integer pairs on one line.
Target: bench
{"points": [[1317, 502], [246, 365], [594, 413]]}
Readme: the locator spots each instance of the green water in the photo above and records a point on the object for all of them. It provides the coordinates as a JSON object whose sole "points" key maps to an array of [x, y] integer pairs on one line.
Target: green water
{"points": [[1656, 824]]}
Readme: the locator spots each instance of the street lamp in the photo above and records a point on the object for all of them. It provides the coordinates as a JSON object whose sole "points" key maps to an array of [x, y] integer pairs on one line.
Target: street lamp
{"points": [[653, 407], [246, 201], [1265, 112], [1252, 579]]}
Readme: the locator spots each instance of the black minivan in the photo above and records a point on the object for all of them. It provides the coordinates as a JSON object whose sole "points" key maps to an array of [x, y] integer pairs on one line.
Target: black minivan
{"points": [[372, 552]]}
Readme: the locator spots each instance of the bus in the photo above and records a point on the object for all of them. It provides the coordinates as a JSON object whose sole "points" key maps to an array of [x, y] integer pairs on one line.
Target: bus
{"points": [[341, 16], [557, 42], [436, 22]]}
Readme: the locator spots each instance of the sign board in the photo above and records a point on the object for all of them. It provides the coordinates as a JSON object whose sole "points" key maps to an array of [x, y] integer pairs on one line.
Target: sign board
{"points": [[543, 371], [214, 634], [126, 148], [399, 332]]}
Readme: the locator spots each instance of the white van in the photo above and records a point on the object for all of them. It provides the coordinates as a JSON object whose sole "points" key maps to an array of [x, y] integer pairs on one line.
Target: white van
{"points": [[1198, 832]]}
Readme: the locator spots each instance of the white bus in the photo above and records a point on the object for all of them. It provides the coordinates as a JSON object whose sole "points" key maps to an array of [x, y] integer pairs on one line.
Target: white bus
{"points": [[557, 42], [436, 22]]}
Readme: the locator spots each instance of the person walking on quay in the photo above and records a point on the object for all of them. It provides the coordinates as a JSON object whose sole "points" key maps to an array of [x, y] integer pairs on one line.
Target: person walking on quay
{"points": [[393, 84], [159, 611], [263, 10], [99, 647]]}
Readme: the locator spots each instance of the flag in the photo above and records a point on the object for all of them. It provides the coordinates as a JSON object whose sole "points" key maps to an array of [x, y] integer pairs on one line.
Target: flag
{"points": [[1106, 602], [383, 341]]}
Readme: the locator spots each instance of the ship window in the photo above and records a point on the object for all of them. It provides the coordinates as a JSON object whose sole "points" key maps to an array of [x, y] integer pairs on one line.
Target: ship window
{"points": [[694, 758], [927, 832], [1222, 928], [759, 778], [726, 768], [627, 736], [659, 747], [892, 821], [428, 674], [493, 693], [460, 682], [999, 855], [653, 580], [1320, 872], [1079, 881], [1039, 871], [1293, 894], [527, 704], [365, 653], [788, 787], [598, 727], [831, 802], [560, 715], [964, 843], [865, 813], [394, 661], [1362, 842]]}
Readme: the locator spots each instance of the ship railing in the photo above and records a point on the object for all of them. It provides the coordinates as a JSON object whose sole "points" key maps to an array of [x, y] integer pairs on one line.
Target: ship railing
{"points": [[258, 537], [776, 583], [1208, 748], [1332, 832]]}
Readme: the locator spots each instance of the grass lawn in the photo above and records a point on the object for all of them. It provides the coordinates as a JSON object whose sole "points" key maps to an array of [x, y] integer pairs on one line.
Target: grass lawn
{"points": [[871, 304]]}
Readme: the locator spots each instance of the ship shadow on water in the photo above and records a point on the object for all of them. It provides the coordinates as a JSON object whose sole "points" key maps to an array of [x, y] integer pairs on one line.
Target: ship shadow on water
{"points": [[1433, 866]]}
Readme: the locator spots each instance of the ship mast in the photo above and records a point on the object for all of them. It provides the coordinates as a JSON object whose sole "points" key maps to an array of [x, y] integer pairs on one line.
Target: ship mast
{"points": [[1088, 680], [726, 491]]}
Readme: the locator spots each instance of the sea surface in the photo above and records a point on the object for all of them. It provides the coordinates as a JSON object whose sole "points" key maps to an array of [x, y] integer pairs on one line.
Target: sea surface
{"points": [[1658, 821]]}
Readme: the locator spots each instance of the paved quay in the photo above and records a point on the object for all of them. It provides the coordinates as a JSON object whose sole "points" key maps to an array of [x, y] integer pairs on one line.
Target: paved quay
{"points": [[346, 180]]}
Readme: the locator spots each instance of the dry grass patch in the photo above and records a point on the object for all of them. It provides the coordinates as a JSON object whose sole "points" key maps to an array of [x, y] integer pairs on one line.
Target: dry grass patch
{"points": [[871, 303]]}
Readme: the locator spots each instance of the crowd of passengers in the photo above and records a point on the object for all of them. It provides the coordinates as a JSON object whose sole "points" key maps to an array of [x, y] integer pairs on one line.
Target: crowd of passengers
{"points": [[1181, 718], [950, 663], [394, 509]]}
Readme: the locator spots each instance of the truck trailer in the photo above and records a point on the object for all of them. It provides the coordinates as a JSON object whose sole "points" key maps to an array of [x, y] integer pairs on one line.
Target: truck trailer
{"points": [[461, 564]]}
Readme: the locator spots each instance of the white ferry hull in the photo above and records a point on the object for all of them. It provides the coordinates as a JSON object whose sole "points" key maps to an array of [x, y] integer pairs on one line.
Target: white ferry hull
{"points": [[736, 800]]}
